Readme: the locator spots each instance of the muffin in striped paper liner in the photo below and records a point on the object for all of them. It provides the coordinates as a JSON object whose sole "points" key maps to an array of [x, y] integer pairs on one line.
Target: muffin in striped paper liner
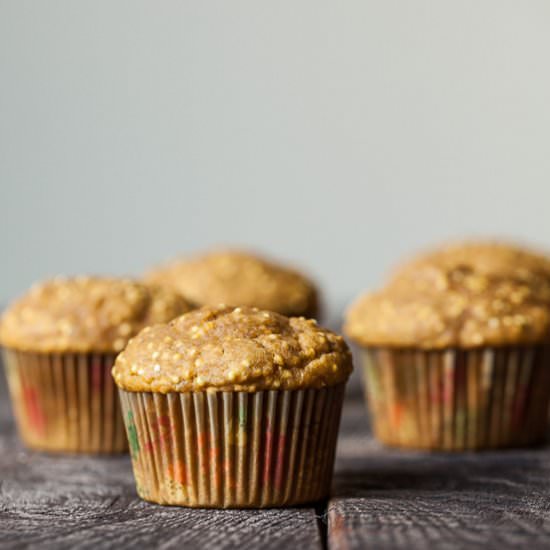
{"points": [[59, 344], [455, 349], [234, 408]]}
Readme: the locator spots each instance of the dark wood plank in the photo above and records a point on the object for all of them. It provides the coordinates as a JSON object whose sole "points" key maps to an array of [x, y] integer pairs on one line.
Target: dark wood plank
{"points": [[382, 499], [389, 499], [87, 502]]}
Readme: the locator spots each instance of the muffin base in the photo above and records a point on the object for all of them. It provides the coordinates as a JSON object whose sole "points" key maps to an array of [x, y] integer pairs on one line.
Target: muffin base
{"points": [[233, 449], [65, 402], [454, 400]]}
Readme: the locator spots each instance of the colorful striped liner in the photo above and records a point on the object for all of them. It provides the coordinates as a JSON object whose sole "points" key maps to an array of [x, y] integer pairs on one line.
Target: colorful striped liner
{"points": [[454, 400], [233, 449], [65, 402]]}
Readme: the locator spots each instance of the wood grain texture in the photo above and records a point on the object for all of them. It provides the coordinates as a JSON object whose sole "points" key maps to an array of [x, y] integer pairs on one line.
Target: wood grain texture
{"points": [[392, 499], [381, 499], [49, 501]]}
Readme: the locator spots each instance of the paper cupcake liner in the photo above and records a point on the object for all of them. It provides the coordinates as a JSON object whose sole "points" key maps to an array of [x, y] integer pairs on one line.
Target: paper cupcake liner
{"points": [[233, 449], [456, 400], [65, 402]]}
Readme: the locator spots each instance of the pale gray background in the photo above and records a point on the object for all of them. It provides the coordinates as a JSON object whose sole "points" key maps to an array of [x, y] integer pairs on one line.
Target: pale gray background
{"points": [[339, 135]]}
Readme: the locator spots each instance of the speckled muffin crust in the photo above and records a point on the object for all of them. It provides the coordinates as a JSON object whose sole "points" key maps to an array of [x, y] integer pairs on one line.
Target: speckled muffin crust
{"points": [[239, 349], [463, 295], [84, 314], [241, 279]]}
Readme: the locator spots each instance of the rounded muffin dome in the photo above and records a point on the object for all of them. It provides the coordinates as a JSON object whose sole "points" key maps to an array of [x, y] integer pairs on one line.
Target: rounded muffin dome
{"points": [[86, 314], [462, 295], [241, 279], [238, 349]]}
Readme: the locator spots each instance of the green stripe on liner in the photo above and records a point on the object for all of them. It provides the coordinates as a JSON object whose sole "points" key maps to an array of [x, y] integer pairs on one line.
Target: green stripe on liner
{"points": [[132, 435], [242, 417]]}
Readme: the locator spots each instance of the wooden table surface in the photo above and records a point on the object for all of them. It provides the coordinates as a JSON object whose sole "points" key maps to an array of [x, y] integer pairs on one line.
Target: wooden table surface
{"points": [[381, 499]]}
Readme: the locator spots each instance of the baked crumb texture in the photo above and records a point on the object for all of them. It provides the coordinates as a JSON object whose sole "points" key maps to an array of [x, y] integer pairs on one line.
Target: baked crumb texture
{"points": [[86, 314], [240, 279], [463, 295], [233, 349]]}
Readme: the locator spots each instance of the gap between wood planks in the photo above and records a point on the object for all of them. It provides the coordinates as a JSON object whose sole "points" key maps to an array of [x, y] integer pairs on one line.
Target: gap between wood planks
{"points": [[321, 514]]}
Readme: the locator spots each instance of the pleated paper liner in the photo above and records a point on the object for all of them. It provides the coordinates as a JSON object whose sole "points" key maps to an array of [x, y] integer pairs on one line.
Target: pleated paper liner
{"points": [[65, 402], [455, 400], [233, 449]]}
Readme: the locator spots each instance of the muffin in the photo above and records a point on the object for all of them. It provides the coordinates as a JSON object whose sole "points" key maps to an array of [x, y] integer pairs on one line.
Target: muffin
{"points": [[455, 349], [233, 408], [59, 343], [240, 279]]}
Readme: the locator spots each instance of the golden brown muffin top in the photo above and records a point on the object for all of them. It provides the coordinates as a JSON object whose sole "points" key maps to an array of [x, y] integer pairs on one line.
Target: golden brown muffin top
{"points": [[85, 314], [463, 295], [232, 349], [240, 279]]}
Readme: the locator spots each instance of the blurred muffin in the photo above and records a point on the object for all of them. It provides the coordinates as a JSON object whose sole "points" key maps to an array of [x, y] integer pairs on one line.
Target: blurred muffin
{"points": [[455, 348], [59, 343], [233, 407], [240, 279]]}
